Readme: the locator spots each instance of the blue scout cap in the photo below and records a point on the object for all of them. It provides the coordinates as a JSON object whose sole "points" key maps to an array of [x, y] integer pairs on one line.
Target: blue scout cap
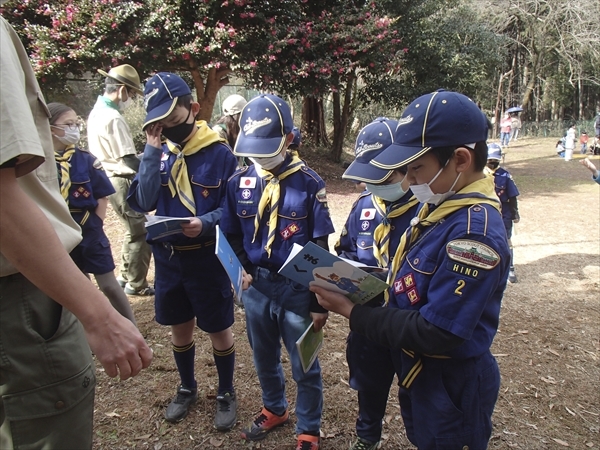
{"points": [[370, 142], [160, 95], [265, 123], [439, 119], [297, 137], [494, 152]]}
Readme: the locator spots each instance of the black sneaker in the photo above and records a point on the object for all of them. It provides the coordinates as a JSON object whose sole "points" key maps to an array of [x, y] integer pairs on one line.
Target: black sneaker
{"points": [[363, 444], [226, 415], [180, 405]]}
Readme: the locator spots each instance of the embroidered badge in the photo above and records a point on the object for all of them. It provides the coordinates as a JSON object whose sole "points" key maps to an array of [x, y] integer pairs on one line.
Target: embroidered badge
{"points": [[164, 156], [462, 269], [409, 280], [367, 214], [289, 231], [398, 286], [322, 196], [472, 253], [413, 296], [252, 125], [97, 165], [365, 225], [248, 182], [162, 166], [246, 194], [205, 193]]}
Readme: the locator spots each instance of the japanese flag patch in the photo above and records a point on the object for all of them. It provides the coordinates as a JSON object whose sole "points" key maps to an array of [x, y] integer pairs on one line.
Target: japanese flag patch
{"points": [[248, 182], [367, 214]]}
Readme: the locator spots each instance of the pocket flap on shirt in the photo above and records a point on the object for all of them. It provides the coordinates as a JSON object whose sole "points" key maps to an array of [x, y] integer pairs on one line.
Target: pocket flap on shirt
{"points": [[205, 182], [52, 399], [420, 262], [293, 212]]}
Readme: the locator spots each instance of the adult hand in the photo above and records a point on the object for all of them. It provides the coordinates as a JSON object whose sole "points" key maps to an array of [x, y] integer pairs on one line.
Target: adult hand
{"points": [[246, 280], [192, 229], [319, 319], [118, 345], [333, 301], [153, 132]]}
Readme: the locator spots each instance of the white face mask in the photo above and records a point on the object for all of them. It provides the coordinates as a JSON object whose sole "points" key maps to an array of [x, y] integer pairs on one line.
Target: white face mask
{"points": [[424, 194], [387, 192], [270, 162], [71, 137], [124, 104]]}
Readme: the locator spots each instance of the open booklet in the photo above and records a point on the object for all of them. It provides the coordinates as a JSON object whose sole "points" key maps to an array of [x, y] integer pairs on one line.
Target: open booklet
{"points": [[308, 346], [162, 226], [312, 264], [230, 263]]}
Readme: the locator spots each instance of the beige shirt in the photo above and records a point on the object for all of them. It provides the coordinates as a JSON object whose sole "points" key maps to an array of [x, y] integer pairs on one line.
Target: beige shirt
{"points": [[23, 110], [109, 138]]}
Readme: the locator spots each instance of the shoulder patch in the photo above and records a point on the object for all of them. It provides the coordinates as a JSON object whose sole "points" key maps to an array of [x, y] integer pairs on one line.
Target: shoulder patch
{"points": [[322, 195], [97, 164], [472, 253]]}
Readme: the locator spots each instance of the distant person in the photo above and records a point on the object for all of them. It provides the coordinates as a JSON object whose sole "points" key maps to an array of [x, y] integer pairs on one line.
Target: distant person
{"points": [[583, 140], [515, 127], [570, 142], [228, 125], [560, 147], [85, 188], [592, 168], [51, 315], [505, 127], [109, 139]]}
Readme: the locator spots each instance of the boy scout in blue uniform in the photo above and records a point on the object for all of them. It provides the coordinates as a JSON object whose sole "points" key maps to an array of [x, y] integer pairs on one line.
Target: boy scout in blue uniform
{"points": [[186, 177], [507, 192], [371, 235], [85, 187], [448, 277], [276, 202]]}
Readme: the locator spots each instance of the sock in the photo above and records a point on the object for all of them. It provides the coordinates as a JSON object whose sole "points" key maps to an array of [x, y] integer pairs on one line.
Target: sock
{"points": [[512, 267], [225, 362], [184, 359]]}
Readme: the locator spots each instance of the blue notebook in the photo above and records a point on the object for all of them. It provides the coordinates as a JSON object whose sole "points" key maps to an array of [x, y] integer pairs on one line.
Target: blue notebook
{"points": [[312, 264], [230, 263]]}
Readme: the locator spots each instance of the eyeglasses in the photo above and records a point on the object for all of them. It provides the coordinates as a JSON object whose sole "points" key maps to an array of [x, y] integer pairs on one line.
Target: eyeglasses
{"points": [[68, 126]]}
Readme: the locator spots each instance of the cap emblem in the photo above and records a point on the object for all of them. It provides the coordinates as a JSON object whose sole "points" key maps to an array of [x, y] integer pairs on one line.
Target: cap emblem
{"points": [[252, 125]]}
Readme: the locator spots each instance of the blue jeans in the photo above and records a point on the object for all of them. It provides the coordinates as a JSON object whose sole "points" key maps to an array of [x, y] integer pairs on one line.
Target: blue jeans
{"points": [[278, 309], [504, 139]]}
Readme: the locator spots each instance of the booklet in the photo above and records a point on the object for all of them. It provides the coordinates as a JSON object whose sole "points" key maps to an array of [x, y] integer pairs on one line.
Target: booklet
{"points": [[312, 264], [161, 226], [308, 346], [230, 263]]}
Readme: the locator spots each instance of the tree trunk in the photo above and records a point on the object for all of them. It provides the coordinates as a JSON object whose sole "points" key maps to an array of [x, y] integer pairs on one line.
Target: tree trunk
{"points": [[206, 95], [341, 116], [313, 121]]}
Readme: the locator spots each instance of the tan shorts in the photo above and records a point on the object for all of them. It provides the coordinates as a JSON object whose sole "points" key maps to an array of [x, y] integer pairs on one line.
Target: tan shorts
{"points": [[47, 378]]}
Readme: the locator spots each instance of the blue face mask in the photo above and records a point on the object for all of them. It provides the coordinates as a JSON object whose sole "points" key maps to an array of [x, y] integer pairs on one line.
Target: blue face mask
{"points": [[387, 192]]}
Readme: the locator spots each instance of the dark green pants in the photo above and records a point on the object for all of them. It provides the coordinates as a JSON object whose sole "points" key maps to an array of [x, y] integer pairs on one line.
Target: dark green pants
{"points": [[47, 376]]}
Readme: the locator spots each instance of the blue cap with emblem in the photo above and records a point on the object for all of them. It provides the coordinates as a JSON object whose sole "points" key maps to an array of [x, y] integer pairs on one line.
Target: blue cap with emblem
{"points": [[494, 152], [265, 122], [370, 142], [160, 95], [439, 119]]}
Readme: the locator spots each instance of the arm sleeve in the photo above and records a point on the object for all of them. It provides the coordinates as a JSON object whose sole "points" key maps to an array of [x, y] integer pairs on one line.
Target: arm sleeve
{"points": [[101, 185], [398, 328], [237, 244], [314, 303], [143, 193], [119, 137], [514, 208], [132, 161]]}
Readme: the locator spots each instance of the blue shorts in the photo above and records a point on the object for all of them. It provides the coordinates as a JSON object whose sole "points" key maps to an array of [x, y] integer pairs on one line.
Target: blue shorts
{"points": [[93, 254], [192, 283]]}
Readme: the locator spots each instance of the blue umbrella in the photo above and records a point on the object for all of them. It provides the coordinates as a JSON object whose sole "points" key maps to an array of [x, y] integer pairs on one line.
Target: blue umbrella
{"points": [[514, 109]]}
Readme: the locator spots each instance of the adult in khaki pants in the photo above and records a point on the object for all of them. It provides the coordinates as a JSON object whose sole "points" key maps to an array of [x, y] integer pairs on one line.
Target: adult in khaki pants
{"points": [[47, 376], [109, 140]]}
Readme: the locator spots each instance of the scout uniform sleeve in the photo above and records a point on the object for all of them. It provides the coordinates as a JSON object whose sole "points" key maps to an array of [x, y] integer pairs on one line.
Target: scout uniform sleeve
{"points": [[321, 219], [120, 139], [346, 244], [143, 193]]}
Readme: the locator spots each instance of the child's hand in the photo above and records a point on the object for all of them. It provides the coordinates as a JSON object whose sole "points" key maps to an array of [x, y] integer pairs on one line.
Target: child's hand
{"points": [[153, 132], [333, 301], [192, 229], [319, 320], [246, 280]]}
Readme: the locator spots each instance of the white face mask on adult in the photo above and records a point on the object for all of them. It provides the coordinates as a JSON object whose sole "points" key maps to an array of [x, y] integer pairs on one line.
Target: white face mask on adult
{"points": [[424, 194], [268, 163], [124, 104]]}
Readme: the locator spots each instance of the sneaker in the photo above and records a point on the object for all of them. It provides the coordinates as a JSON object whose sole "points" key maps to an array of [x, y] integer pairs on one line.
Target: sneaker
{"points": [[180, 405], [143, 291], [363, 444], [122, 281], [308, 442], [263, 423], [512, 277], [226, 415]]}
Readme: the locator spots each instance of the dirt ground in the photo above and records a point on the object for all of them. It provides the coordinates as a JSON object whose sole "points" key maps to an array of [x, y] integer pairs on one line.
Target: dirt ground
{"points": [[547, 345]]}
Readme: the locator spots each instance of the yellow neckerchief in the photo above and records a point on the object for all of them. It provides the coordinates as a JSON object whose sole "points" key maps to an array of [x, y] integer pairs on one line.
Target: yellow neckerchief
{"points": [[65, 166], [479, 192], [381, 235], [179, 180], [270, 196], [489, 172]]}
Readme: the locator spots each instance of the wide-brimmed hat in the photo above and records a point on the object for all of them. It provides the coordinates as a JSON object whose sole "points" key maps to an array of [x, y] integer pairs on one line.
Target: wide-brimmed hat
{"points": [[439, 119], [370, 142], [265, 123], [160, 95], [125, 74]]}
